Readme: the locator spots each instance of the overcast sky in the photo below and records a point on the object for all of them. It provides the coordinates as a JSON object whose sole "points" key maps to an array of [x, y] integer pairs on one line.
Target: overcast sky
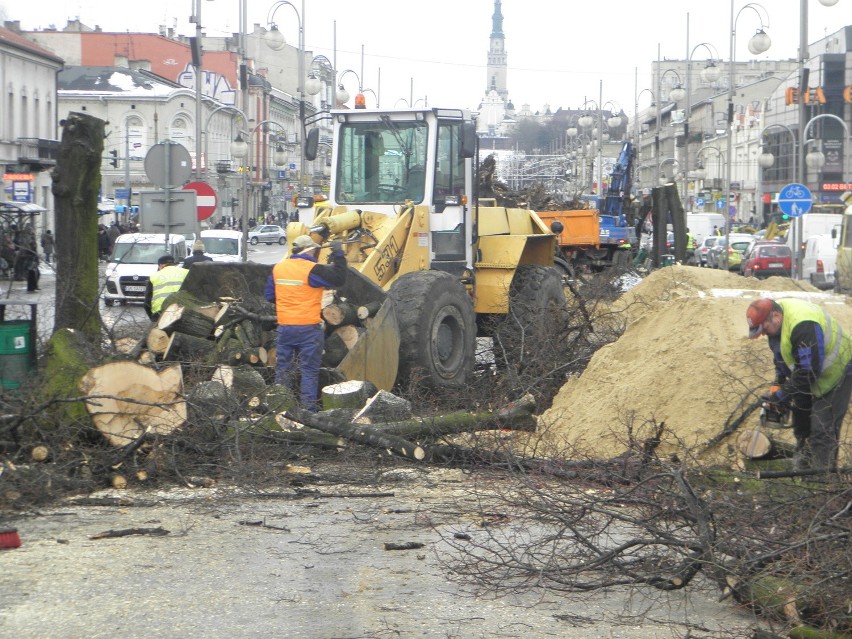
{"points": [[558, 52]]}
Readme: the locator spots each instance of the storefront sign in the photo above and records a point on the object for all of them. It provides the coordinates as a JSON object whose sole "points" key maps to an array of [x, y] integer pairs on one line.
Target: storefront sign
{"points": [[814, 95]]}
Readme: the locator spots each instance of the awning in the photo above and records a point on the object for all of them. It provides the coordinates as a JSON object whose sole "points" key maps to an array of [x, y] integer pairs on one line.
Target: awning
{"points": [[21, 207]]}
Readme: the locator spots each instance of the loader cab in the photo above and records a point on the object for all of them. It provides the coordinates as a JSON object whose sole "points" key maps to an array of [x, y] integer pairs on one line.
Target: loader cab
{"points": [[388, 161]]}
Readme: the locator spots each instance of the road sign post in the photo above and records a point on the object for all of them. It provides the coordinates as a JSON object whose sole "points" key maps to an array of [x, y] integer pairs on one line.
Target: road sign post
{"points": [[795, 200]]}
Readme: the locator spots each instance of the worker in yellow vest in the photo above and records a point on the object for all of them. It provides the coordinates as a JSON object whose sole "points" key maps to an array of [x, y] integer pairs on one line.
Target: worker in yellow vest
{"points": [[167, 280]]}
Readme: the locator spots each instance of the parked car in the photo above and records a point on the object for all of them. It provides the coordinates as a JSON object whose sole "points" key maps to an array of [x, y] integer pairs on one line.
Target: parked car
{"points": [[268, 234], [820, 260], [768, 258], [739, 244], [704, 248]]}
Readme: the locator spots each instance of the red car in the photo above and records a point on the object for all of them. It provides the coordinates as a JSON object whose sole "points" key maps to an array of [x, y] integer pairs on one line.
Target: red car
{"points": [[768, 259]]}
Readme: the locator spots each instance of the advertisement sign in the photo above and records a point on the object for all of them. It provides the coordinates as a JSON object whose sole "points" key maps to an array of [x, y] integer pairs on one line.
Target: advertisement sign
{"points": [[20, 191]]}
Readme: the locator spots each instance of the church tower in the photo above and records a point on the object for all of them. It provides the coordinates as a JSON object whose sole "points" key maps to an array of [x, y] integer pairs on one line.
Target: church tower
{"points": [[497, 59]]}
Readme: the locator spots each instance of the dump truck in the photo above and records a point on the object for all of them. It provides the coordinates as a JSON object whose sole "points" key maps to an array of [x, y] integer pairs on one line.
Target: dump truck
{"points": [[419, 240], [592, 240]]}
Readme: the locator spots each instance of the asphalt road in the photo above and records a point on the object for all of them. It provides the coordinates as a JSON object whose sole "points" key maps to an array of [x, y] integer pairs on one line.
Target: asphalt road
{"points": [[304, 565]]}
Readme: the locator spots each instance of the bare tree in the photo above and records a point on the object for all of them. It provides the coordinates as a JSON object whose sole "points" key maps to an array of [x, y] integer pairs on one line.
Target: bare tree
{"points": [[76, 182]]}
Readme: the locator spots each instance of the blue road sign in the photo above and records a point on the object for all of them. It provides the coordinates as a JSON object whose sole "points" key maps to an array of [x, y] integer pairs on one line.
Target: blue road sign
{"points": [[720, 204], [699, 201], [795, 199]]}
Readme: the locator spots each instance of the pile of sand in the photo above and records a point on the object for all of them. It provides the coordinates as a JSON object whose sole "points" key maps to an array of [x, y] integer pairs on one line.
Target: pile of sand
{"points": [[684, 359]]}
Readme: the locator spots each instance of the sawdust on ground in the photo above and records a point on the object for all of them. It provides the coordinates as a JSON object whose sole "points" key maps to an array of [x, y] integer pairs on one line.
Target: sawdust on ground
{"points": [[684, 359]]}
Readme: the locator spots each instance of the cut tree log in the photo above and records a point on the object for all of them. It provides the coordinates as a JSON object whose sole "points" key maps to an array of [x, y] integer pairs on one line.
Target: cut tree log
{"points": [[368, 310], [126, 399], [360, 434], [339, 342], [183, 347], [240, 380], [158, 340], [753, 444], [340, 314], [185, 319], [517, 416], [384, 407]]}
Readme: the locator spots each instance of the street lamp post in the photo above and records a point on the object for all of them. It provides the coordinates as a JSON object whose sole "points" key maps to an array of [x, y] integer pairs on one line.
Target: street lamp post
{"points": [[766, 159], [803, 80], [235, 144], [275, 39], [240, 149], [710, 73], [759, 43]]}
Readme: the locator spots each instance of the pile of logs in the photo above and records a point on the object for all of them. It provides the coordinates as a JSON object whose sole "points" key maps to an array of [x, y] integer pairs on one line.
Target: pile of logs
{"points": [[217, 332]]}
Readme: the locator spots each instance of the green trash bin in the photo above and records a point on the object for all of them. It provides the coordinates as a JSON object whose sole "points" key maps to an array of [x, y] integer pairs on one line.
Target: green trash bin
{"points": [[667, 260], [15, 357]]}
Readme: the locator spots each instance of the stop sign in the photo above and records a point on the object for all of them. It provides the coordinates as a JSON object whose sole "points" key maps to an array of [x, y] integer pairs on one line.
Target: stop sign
{"points": [[205, 198]]}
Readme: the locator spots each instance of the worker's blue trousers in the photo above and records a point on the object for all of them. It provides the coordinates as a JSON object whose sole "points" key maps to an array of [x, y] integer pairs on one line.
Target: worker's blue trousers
{"points": [[300, 348]]}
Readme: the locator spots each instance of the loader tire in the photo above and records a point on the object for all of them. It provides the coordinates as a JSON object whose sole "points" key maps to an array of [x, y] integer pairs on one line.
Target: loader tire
{"points": [[437, 328], [535, 290], [536, 304]]}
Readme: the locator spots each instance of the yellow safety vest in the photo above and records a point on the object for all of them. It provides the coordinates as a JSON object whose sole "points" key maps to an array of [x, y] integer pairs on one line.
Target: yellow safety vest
{"points": [[164, 282], [838, 346]]}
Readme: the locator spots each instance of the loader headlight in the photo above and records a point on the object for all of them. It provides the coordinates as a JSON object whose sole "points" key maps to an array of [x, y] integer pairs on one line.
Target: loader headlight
{"points": [[304, 201], [452, 200]]}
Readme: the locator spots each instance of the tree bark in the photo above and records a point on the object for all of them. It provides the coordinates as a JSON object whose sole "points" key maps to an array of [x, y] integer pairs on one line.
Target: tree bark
{"points": [[76, 183]]}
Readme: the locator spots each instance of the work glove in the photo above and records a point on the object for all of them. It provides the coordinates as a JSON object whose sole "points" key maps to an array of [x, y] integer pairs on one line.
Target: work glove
{"points": [[337, 246], [774, 400]]}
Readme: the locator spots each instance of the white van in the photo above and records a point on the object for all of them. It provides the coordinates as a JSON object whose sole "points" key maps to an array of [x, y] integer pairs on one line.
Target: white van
{"points": [[810, 224], [701, 224], [819, 261], [134, 258], [223, 245]]}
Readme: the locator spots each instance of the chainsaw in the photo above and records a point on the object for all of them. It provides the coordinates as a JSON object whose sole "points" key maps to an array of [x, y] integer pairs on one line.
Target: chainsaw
{"points": [[773, 415]]}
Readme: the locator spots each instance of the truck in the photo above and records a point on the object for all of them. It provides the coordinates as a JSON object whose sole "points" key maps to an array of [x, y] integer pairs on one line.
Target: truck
{"points": [[592, 240], [445, 265], [806, 226], [843, 262]]}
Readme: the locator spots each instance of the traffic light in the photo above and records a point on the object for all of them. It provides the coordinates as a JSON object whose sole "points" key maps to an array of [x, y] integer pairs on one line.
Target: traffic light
{"points": [[114, 161]]}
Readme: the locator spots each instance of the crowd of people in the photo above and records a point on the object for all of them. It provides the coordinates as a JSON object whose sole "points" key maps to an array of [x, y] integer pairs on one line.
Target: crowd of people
{"points": [[20, 256], [107, 235]]}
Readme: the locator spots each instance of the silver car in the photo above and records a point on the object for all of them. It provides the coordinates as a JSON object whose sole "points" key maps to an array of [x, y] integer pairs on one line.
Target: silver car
{"points": [[268, 234], [701, 253]]}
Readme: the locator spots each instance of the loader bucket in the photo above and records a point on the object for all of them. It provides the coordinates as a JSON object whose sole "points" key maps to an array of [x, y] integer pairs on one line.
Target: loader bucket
{"points": [[375, 356]]}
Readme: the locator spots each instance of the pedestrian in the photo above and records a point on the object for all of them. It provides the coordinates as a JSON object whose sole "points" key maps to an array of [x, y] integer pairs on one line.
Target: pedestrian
{"points": [[167, 280], [48, 245], [197, 255], [30, 260], [812, 356], [113, 232], [296, 286], [103, 243]]}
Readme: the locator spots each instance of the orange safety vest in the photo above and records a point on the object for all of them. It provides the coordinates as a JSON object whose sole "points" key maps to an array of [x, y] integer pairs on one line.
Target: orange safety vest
{"points": [[296, 302]]}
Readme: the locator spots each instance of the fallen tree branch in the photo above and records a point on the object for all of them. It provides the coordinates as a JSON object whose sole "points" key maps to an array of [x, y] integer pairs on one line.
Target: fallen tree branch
{"points": [[159, 531]]}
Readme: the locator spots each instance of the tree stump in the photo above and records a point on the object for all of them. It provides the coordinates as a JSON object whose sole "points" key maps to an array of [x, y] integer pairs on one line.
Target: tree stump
{"points": [[351, 394]]}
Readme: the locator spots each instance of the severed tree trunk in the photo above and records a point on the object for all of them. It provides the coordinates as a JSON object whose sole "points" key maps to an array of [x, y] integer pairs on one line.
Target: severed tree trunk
{"points": [[127, 400], [76, 182]]}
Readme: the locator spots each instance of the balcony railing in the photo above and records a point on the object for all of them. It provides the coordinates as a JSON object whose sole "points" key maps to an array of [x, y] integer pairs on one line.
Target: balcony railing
{"points": [[38, 153]]}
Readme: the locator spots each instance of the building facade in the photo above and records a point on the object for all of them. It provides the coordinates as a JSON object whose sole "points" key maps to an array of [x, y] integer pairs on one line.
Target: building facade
{"points": [[28, 125]]}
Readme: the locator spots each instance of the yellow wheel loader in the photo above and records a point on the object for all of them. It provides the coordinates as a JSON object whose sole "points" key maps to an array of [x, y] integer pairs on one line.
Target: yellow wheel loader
{"points": [[403, 201]]}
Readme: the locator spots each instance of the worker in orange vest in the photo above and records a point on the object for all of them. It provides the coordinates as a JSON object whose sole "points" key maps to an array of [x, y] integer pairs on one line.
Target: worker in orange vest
{"points": [[296, 286]]}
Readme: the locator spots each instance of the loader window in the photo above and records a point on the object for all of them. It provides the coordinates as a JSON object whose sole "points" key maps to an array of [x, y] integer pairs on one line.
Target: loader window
{"points": [[449, 163], [381, 162]]}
